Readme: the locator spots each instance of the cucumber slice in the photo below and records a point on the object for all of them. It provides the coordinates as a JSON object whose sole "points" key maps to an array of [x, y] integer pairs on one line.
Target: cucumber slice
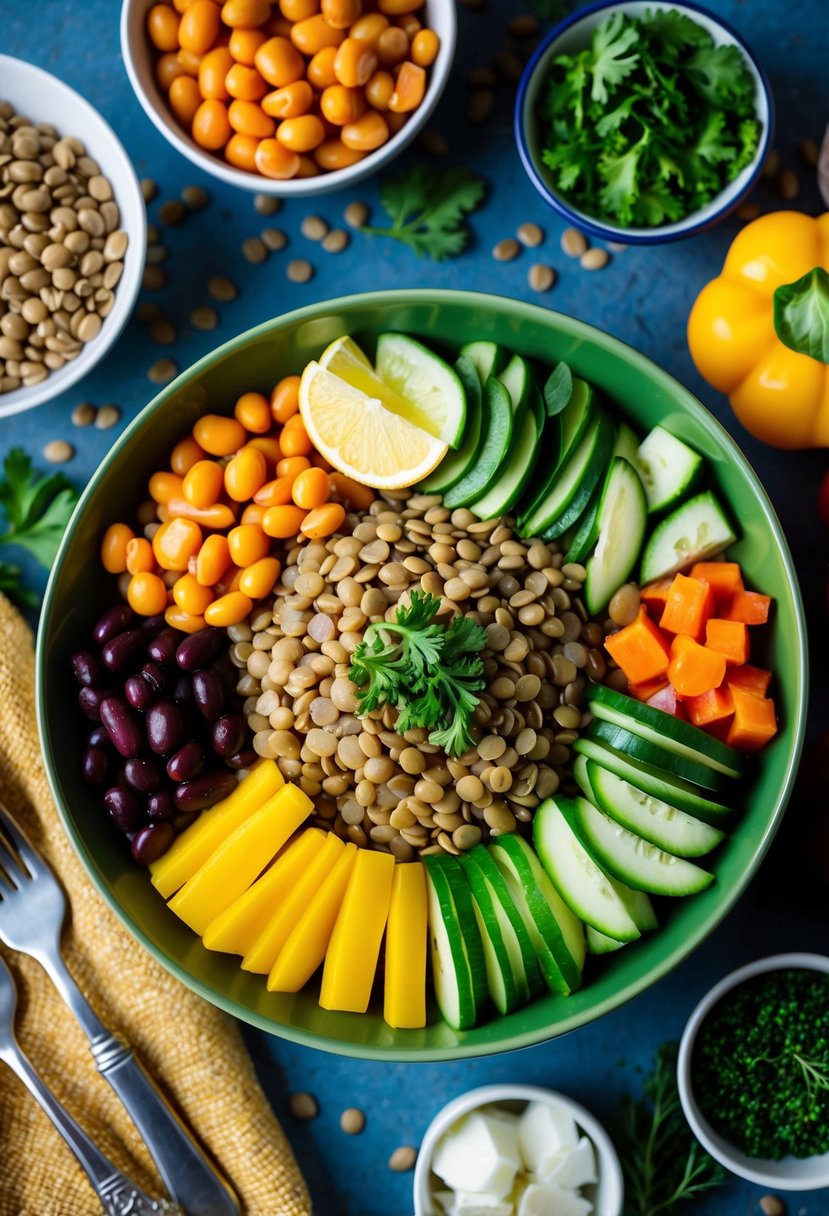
{"points": [[556, 934], [692, 533], [512, 969], [457, 463], [637, 748], [627, 444], [587, 532], [638, 904], [673, 790], [580, 882], [421, 377], [577, 415], [458, 966], [622, 517], [517, 378], [518, 469], [651, 818], [668, 468], [570, 489], [496, 428], [660, 727], [628, 858], [600, 943], [489, 358]]}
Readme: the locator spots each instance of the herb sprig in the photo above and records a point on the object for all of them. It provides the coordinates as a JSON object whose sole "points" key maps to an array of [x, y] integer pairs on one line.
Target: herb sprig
{"points": [[36, 511], [430, 671], [428, 210]]}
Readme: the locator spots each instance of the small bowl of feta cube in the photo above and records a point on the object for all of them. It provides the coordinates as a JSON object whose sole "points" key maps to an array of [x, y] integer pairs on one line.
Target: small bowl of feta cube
{"points": [[517, 1150]]}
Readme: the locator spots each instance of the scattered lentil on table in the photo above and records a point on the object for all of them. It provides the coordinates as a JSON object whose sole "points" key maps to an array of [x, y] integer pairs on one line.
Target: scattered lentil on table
{"points": [[541, 277], [299, 271], [274, 239], [356, 214], [303, 1106], [83, 414], [162, 370], [107, 416], [403, 1159], [220, 288], [506, 250], [352, 1121], [58, 451], [594, 259], [314, 228], [530, 235], [573, 242], [335, 241]]}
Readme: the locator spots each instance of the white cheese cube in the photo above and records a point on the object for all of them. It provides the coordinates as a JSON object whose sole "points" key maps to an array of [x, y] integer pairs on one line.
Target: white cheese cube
{"points": [[469, 1203], [545, 1129], [445, 1200], [575, 1169], [542, 1200], [479, 1154]]}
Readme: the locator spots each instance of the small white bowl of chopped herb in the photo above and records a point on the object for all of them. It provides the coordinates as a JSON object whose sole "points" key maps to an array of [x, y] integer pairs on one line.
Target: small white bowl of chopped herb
{"points": [[753, 1072], [643, 122]]}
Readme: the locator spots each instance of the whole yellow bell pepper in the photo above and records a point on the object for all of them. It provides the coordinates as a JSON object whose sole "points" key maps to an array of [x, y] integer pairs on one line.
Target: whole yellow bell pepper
{"points": [[759, 332]]}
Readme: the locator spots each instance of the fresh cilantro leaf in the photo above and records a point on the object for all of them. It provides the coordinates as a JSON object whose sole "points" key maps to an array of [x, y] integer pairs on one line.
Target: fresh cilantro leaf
{"points": [[675, 32], [718, 73], [621, 188], [609, 64], [36, 511], [428, 210]]}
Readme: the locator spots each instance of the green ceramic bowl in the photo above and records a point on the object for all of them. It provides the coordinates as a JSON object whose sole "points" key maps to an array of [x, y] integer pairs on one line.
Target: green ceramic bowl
{"points": [[257, 359]]}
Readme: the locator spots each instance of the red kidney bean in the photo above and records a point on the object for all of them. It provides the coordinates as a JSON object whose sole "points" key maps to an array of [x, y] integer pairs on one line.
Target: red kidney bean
{"points": [[183, 691], [123, 727], [90, 699], [86, 667], [123, 808], [151, 842], [153, 624], [165, 726], [118, 651], [187, 763], [163, 648], [138, 693], [113, 621], [143, 775], [243, 759], [205, 790], [98, 737], [95, 765], [228, 734], [156, 676], [197, 649], [160, 806], [183, 819], [208, 693]]}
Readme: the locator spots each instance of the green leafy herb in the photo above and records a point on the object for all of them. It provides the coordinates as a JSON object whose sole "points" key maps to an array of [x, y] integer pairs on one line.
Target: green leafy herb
{"points": [[430, 671], [663, 1163], [650, 122], [427, 209], [558, 389], [801, 314], [36, 510]]}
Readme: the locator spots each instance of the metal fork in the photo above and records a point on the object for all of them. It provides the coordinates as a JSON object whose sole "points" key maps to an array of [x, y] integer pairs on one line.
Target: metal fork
{"points": [[32, 910], [118, 1195]]}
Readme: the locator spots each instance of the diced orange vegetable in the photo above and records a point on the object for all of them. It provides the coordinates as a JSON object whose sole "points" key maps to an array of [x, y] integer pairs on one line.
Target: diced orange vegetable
{"points": [[749, 607], [655, 596], [639, 649], [667, 700], [725, 579], [712, 710], [729, 638], [689, 605], [752, 679], [694, 669], [754, 722], [647, 688]]}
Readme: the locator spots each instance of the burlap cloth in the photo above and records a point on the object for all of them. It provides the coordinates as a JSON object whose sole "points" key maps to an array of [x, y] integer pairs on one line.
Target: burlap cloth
{"points": [[192, 1049]]}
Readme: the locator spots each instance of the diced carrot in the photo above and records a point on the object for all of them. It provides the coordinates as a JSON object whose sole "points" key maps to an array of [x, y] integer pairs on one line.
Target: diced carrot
{"points": [[729, 638], [754, 722], [694, 669], [752, 679], [690, 603], [712, 710], [749, 607], [655, 596], [725, 579], [646, 688], [667, 700], [639, 649]]}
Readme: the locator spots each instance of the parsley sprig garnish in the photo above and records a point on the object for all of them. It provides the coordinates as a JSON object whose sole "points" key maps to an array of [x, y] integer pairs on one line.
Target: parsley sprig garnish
{"points": [[428, 209], [431, 672], [36, 510]]}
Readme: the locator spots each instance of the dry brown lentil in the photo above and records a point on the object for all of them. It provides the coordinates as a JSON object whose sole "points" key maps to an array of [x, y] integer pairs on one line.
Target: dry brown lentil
{"points": [[266, 204], [204, 317], [274, 239], [314, 227], [149, 189], [748, 211], [162, 370], [221, 288], [787, 184], [403, 1159], [594, 259], [506, 250], [163, 331], [573, 242], [299, 270], [303, 1106], [107, 416], [254, 250], [541, 277], [335, 241], [195, 198], [153, 278], [433, 143], [480, 106], [356, 214], [58, 451], [352, 1121], [171, 212], [530, 234], [83, 414], [772, 1205]]}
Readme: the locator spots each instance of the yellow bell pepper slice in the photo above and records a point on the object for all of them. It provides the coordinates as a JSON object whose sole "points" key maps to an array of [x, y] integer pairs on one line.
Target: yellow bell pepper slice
{"points": [[351, 958], [240, 858], [193, 847], [406, 940]]}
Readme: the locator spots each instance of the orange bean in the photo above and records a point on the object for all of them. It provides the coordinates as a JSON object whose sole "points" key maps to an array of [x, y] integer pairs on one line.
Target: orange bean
{"points": [[248, 118], [379, 90], [229, 609], [313, 34], [199, 26], [276, 493], [245, 14], [367, 133], [279, 62], [203, 483], [395, 8], [146, 593], [355, 62], [213, 69], [320, 71], [247, 544], [409, 88], [340, 14], [340, 105], [289, 101], [140, 557], [240, 151], [409, 24], [258, 579], [211, 128], [181, 5], [369, 28], [301, 134], [282, 522], [212, 560], [308, 167], [190, 595], [323, 520], [310, 489], [162, 26], [333, 154], [214, 518], [175, 542], [177, 618], [254, 412], [245, 473], [351, 491], [218, 435], [273, 160], [114, 547], [244, 44], [268, 445], [298, 10], [245, 83], [392, 46], [167, 68], [185, 99], [184, 455], [189, 62], [164, 486], [295, 442], [319, 462], [285, 398], [252, 514], [395, 122], [425, 47]]}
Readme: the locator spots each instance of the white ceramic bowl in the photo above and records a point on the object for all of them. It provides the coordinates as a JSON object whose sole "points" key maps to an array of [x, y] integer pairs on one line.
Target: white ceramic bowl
{"points": [[139, 58], [790, 1173], [44, 98], [606, 1196]]}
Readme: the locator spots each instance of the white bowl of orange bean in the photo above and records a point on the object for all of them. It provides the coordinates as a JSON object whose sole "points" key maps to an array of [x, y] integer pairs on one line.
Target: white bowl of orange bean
{"points": [[288, 97]]}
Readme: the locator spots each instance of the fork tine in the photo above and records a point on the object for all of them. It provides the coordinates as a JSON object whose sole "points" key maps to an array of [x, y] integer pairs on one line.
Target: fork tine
{"points": [[25, 849]]}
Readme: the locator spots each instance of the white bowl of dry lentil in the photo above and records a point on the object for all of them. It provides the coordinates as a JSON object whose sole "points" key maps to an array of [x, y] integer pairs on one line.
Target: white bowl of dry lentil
{"points": [[141, 58], [44, 99]]}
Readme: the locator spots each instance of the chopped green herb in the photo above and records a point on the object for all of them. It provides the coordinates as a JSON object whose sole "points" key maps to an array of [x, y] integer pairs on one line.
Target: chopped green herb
{"points": [[430, 671], [36, 510], [427, 209], [650, 122]]}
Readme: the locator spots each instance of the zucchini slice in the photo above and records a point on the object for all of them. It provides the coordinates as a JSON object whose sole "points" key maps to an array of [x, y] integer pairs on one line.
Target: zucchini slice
{"points": [[668, 468], [458, 965], [655, 754], [456, 464], [622, 518], [692, 533], [497, 428]]}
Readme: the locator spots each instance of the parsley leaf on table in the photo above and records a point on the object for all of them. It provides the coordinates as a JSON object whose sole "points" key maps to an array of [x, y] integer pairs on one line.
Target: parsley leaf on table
{"points": [[428, 210], [36, 510]]}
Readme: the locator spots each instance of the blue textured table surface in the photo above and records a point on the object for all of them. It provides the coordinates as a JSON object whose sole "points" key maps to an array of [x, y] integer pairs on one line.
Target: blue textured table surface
{"points": [[643, 297]]}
